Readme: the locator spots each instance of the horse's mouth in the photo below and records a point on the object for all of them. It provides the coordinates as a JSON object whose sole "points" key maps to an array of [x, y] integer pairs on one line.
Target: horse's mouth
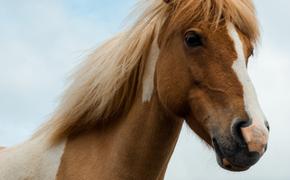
{"points": [[224, 162]]}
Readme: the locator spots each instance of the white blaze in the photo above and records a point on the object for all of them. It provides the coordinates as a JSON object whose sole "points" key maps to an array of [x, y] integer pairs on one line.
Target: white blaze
{"points": [[252, 106], [148, 77]]}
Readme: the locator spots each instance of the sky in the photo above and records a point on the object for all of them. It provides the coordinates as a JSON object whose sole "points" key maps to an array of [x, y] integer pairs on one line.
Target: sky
{"points": [[41, 42]]}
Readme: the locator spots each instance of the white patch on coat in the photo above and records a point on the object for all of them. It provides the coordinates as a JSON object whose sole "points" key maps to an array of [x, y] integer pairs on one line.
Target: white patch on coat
{"points": [[32, 160], [252, 105], [148, 77]]}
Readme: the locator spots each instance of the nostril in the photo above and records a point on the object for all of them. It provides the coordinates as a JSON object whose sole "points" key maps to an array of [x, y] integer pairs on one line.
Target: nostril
{"points": [[266, 148], [237, 131], [267, 125]]}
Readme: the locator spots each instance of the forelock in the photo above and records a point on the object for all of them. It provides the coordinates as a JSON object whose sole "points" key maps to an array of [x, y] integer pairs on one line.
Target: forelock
{"points": [[241, 13]]}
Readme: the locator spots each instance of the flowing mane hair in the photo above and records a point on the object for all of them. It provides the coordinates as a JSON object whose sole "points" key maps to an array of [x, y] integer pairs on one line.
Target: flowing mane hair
{"points": [[107, 83]]}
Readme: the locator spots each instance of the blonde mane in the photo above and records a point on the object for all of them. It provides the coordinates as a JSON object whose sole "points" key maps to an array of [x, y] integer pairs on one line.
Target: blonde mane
{"points": [[107, 82]]}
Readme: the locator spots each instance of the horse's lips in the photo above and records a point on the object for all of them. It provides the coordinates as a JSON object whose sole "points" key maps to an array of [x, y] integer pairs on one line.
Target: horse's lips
{"points": [[218, 152], [223, 162]]}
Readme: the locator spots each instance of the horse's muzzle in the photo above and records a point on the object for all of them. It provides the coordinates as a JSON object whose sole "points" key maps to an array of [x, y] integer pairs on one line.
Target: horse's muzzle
{"points": [[244, 147], [240, 160]]}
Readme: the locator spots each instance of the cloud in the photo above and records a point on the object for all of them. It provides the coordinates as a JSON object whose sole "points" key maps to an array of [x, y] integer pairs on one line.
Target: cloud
{"points": [[42, 40], [40, 43]]}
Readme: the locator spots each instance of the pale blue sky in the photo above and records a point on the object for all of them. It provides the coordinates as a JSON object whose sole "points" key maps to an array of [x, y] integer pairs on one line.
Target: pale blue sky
{"points": [[42, 40]]}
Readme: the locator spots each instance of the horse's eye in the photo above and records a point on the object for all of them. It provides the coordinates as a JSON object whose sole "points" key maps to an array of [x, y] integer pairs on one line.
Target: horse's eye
{"points": [[192, 39]]}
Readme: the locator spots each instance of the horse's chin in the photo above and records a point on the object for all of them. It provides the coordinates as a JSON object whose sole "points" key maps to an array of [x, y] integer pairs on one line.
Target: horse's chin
{"points": [[225, 163]]}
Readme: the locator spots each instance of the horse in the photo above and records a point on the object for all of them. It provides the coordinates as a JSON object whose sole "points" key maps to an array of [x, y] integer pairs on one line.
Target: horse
{"points": [[182, 61]]}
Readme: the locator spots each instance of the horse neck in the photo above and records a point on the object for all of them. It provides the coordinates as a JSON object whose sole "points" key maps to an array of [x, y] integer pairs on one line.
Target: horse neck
{"points": [[136, 146]]}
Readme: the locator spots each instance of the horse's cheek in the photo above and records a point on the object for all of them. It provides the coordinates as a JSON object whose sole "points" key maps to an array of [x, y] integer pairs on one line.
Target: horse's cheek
{"points": [[173, 86]]}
